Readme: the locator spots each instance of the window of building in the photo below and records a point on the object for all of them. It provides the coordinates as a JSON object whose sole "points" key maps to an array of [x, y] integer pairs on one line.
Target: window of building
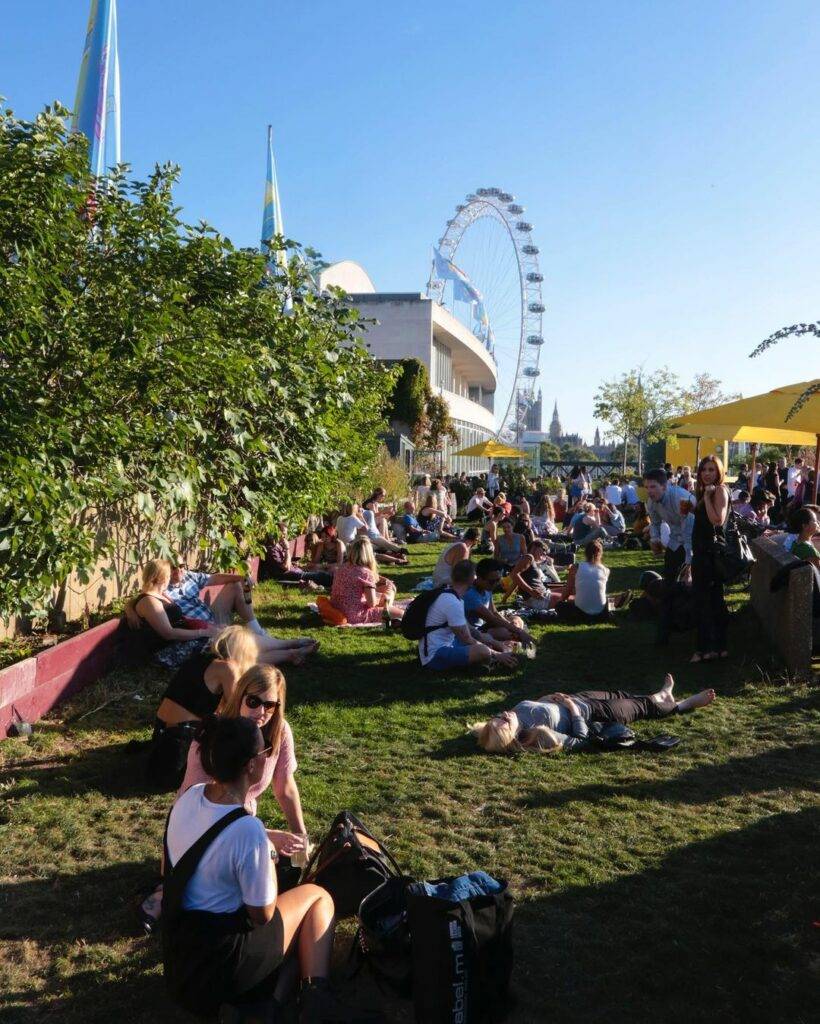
{"points": [[442, 366]]}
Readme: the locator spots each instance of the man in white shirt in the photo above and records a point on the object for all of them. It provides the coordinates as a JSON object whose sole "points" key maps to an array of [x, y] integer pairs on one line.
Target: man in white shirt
{"points": [[376, 539], [493, 483], [448, 643], [478, 506], [613, 492], [794, 477], [629, 494]]}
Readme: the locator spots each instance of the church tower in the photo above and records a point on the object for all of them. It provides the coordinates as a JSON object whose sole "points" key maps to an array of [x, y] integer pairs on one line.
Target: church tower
{"points": [[555, 426], [597, 438]]}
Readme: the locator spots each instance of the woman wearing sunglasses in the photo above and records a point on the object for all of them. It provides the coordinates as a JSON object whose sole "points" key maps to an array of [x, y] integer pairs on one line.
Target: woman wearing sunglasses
{"points": [[259, 695], [226, 929]]}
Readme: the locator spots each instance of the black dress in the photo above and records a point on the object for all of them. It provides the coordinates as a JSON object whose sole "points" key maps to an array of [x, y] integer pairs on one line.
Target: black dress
{"points": [[707, 588]]}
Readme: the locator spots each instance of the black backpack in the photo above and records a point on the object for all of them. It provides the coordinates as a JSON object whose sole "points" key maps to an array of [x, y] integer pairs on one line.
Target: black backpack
{"points": [[414, 622]]}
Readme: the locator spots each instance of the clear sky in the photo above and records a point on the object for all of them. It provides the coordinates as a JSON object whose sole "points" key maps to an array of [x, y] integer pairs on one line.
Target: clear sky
{"points": [[667, 153]]}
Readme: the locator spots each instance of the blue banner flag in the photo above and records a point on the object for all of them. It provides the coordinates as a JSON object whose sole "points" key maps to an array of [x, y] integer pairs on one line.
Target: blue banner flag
{"points": [[272, 213], [97, 104]]}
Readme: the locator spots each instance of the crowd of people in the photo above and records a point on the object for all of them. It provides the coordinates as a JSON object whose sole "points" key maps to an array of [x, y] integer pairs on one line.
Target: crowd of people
{"points": [[221, 737]]}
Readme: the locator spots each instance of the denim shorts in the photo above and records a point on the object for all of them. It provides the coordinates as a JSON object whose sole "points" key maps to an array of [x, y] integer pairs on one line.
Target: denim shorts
{"points": [[457, 655]]}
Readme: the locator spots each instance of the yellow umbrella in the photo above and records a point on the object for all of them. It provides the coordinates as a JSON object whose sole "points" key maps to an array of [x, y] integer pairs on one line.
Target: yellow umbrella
{"points": [[762, 418], [492, 449]]}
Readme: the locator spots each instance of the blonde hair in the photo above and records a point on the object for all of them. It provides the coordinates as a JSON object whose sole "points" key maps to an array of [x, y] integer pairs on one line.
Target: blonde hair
{"points": [[351, 507], [500, 738], [153, 572], [237, 644], [360, 552], [257, 680]]}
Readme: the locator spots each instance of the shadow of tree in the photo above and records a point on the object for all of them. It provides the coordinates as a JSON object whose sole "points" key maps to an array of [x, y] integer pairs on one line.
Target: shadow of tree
{"points": [[730, 917], [784, 767]]}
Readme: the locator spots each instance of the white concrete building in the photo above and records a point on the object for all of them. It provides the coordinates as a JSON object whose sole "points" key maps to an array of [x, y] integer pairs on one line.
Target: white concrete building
{"points": [[409, 325]]}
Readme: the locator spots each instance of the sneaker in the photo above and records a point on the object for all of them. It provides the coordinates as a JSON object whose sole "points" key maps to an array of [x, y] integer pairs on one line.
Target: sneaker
{"points": [[319, 1005]]}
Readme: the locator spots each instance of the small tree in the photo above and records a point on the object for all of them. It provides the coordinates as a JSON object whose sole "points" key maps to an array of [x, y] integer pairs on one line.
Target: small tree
{"points": [[638, 408], [704, 393]]}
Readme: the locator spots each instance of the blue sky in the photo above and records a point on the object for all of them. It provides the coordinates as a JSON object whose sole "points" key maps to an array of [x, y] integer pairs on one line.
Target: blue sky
{"points": [[667, 153]]}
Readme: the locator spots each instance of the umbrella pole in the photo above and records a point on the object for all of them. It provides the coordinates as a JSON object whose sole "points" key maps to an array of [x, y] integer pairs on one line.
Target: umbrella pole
{"points": [[752, 474], [816, 469], [697, 453]]}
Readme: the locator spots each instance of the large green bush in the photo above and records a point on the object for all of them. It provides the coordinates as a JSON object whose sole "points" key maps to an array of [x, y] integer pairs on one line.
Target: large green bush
{"points": [[149, 380]]}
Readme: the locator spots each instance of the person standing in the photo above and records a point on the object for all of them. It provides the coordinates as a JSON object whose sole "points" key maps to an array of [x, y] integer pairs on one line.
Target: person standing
{"points": [[670, 504], [711, 513], [493, 482], [794, 477]]}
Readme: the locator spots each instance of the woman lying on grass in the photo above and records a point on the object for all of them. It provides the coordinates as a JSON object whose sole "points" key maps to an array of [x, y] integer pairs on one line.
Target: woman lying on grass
{"points": [[260, 696], [561, 722]]}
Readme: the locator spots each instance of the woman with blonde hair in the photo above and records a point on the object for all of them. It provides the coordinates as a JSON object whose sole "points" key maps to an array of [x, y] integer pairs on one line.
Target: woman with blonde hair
{"points": [[358, 592], [164, 632], [433, 519], [258, 694], [559, 721], [711, 513]]}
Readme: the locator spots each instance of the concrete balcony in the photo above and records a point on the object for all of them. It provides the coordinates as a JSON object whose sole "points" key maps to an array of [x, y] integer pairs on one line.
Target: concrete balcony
{"points": [[463, 408]]}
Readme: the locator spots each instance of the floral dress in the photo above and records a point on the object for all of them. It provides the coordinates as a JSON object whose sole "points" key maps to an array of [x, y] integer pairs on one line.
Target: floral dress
{"points": [[347, 594]]}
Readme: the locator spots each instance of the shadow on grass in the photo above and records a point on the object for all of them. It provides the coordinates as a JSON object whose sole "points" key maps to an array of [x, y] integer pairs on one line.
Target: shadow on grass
{"points": [[730, 921], [116, 770], [792, 767]]}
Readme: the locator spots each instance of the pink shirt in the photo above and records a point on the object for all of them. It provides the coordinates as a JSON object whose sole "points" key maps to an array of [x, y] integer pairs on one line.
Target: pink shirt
{"points": [[347, 593], [279, 767]]}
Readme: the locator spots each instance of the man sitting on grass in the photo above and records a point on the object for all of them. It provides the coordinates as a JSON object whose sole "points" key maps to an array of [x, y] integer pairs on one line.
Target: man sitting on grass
{"points": [[234, 597], [449, 643], [413, 529], [486, 623]]}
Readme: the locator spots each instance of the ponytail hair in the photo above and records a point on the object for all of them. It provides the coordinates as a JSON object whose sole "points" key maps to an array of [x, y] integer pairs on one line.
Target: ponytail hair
{"points": [[226, 745]]}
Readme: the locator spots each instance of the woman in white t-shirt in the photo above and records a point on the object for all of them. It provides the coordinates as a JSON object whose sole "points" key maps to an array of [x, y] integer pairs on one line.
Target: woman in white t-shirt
{"points": [[585, 598], [351, 524], [226, 930]]}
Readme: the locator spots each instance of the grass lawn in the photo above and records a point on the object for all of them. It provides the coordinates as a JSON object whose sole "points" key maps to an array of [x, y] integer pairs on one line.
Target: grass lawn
{"points": [[672, 887]]}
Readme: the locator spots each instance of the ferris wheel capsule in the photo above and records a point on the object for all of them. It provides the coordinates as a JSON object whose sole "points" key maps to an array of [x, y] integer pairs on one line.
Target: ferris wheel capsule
{"points": [[535, 339], [506, 197], [516, 208], [530, 250], [531, 371], [536, 307], [535, 278], [524, 225]]}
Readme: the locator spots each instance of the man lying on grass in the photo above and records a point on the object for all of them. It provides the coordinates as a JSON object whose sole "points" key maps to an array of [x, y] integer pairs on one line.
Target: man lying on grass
{"points": [[561, 722]]}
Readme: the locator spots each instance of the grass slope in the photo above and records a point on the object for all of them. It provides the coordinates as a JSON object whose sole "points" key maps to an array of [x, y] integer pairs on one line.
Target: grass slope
{"points": [[671, 887]]}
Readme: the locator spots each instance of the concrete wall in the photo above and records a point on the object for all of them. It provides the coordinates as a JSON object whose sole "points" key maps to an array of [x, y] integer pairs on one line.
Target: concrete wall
{"points": [[786, 614]]}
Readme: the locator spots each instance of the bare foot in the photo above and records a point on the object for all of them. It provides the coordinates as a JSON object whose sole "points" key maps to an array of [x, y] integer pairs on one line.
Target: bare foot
{"points": [[700, 700], [663, 698]]}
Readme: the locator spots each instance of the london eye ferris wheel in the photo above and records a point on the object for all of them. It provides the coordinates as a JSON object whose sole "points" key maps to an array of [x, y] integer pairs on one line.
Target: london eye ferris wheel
{"points": [[485, 269]]}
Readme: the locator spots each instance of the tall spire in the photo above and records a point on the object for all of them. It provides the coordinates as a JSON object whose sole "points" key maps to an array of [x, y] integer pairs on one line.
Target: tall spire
{"points": [[272, 214], [97, 104]]}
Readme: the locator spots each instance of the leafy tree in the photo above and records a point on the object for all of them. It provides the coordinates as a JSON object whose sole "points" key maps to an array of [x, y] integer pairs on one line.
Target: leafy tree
{"points": [[795, 331], [704, 393], [577, 453], [151, 385], [408, 403], [549, 452], [438, 425], [638, 408]]}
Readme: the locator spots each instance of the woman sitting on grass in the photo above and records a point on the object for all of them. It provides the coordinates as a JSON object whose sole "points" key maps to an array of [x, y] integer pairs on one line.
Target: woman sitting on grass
{"points": [[226, 930], [197, 689], [561, 722], [358, 592], [433, 519], [510, 547], [260, 696], [327, 552], [585, 596], [533, 575], [164, 632]]}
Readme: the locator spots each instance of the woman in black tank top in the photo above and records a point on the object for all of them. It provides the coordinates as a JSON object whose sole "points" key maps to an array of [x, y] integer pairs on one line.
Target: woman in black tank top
{"points": [[710, 518]]}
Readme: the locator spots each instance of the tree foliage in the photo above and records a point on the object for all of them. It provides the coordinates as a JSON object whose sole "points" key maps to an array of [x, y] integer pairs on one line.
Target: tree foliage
{"points": [[415, 407], [795, 331], [638, 407], [704, 393], [149, 378]]}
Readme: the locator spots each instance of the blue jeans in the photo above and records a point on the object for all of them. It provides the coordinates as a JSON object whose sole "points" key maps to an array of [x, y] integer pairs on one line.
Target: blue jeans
{"points": [[457, 655]]}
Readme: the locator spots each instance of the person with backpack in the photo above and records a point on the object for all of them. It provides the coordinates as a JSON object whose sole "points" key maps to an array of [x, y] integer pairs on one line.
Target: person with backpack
{"points": [[437, 620], [225, 928]]}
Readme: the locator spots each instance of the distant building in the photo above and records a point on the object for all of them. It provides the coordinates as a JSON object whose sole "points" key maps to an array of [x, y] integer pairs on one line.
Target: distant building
{"points": [[534, 435], [410, 325]]}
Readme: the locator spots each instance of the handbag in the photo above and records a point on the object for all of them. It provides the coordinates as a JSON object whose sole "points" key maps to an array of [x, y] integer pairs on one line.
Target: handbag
{"points": [[733, 555], [462, 957], [349, 863], [383, 940]]}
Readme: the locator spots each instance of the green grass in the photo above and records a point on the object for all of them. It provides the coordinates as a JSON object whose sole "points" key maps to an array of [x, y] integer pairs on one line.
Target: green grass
{"points": [[674, 887]]}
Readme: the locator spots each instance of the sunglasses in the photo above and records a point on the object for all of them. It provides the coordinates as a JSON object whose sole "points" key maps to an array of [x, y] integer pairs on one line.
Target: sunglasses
{"points": [[253, 702]]}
